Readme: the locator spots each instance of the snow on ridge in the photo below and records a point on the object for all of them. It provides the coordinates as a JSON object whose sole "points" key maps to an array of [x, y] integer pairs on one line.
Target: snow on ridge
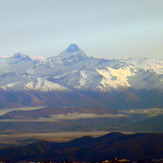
{"points": [[10, 85], [43, 85], [115, 78], [147, 64], [83, 79], [74, 70], [29, 85], [41, 58]]}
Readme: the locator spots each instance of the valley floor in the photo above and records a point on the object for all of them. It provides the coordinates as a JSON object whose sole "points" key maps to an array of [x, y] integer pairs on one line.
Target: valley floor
{"points": [[24, 131]]}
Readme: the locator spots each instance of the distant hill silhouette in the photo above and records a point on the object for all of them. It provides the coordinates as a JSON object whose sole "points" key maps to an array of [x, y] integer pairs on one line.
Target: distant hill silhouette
{"points": [[114, 145]]}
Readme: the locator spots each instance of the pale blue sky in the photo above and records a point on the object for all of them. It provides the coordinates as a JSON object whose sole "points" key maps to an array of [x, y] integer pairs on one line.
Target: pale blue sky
{"points": [[102, 28]]}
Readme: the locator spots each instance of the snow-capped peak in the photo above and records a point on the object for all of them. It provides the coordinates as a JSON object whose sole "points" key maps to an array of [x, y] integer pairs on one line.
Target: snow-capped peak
{"points": [[20, 56], [73, 48], [72, 51]]}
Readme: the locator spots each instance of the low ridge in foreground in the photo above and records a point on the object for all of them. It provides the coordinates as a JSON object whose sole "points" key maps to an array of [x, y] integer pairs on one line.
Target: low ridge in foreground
{"points": [[144, 146]]}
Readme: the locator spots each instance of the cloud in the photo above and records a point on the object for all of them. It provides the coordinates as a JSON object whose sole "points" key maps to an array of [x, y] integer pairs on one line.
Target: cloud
{"points": [[150, 112], [69, 116]]}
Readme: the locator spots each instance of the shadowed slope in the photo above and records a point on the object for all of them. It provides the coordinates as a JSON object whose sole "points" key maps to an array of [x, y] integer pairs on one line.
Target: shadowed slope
{"points": [[136, 146]]}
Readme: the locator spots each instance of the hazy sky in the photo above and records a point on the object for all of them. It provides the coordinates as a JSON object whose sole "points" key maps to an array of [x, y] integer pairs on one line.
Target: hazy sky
{"points": [[102, 28]]}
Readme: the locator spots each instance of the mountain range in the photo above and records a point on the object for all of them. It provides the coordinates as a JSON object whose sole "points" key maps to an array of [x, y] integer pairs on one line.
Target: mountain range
{"points": [[74, 79], [144, 146]]}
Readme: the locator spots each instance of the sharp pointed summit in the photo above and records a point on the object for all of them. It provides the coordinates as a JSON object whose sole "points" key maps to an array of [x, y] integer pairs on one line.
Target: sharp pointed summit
{"points": [[73, 48], [20, 56], [72, 51]]}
